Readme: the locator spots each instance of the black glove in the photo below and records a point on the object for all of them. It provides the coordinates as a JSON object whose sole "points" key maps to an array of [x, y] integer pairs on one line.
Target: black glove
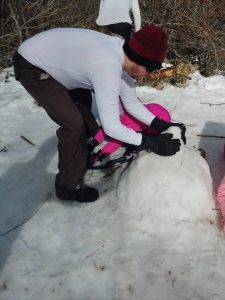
{"points": [[159, 125], [161, 144]]}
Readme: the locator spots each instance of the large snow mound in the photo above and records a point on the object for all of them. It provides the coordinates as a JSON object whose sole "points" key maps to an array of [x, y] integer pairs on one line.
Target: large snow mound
{"points": [[150, 194]]}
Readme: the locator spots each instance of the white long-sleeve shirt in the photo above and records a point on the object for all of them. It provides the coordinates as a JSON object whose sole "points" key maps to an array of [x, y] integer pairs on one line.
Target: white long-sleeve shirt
{"points": [[117, 11], [81, 58]]}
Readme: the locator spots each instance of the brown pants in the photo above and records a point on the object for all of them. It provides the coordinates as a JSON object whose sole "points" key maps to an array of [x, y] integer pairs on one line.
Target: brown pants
{"points": [[60, 105]]}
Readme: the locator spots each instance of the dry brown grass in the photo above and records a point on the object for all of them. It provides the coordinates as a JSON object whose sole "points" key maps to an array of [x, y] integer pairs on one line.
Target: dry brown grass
{"points": [[196, 28], [177, 75], [21, 19]]}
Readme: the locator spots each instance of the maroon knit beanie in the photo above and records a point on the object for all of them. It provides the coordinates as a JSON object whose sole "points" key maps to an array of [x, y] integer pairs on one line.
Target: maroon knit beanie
{"points": [[148, 47]]}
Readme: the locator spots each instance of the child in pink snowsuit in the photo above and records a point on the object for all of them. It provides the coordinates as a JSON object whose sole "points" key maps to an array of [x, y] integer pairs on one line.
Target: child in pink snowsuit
{"points": [[136, 125]]}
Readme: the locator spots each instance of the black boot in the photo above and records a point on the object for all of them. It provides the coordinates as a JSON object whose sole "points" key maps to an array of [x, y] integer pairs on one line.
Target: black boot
{"points": [[80, 193]]}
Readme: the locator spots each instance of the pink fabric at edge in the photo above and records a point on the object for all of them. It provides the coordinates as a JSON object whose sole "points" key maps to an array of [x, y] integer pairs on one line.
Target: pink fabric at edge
{"points": [[220, 197]]}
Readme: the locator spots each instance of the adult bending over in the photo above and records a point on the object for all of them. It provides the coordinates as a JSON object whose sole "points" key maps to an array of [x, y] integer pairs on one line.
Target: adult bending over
{"points": [[54, 65]]}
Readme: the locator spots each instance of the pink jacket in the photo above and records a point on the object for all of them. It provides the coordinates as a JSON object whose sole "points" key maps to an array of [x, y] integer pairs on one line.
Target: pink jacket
{"points": [[136, 125]]}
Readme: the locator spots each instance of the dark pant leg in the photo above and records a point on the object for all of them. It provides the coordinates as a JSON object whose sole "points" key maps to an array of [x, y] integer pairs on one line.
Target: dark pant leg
{"points": [[124, 29], [83, 99], [55, 99]]}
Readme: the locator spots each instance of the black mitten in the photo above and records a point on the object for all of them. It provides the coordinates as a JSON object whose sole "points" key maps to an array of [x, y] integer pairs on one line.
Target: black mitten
{"points": [[162, 144], [159, 125]]}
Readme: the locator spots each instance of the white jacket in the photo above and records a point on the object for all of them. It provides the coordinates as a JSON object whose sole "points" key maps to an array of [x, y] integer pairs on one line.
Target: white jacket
{"points": [[117, 11], [81, 58]]}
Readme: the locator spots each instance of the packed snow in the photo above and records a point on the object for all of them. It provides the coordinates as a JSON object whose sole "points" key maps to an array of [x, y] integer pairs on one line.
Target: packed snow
{"points": [[155, 232]]}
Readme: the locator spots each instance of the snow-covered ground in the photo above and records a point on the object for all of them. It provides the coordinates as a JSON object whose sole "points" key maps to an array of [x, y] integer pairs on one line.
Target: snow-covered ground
{"points": [[154, 233]]}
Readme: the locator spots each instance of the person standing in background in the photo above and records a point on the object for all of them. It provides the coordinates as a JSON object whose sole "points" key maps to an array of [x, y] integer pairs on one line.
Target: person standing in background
{"points": [[114, 15]]}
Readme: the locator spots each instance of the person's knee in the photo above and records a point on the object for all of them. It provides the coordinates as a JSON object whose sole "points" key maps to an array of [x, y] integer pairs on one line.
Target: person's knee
{"points": [[73, 125], [77, 125]]}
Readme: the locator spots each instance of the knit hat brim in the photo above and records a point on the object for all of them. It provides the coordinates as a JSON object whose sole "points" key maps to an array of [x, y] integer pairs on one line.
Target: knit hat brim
{"points": [[150, 65]]}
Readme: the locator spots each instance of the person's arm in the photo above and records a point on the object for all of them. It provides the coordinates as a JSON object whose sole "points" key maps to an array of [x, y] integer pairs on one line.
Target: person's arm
{"points": [[105, 77], [131, 102], [137, 15]]}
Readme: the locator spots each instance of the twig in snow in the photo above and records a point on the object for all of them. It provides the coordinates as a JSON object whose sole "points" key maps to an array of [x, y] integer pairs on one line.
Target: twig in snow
{"points": [[92, 253], [173, 282], [212, 136], [222, 103], [28, 141]]}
